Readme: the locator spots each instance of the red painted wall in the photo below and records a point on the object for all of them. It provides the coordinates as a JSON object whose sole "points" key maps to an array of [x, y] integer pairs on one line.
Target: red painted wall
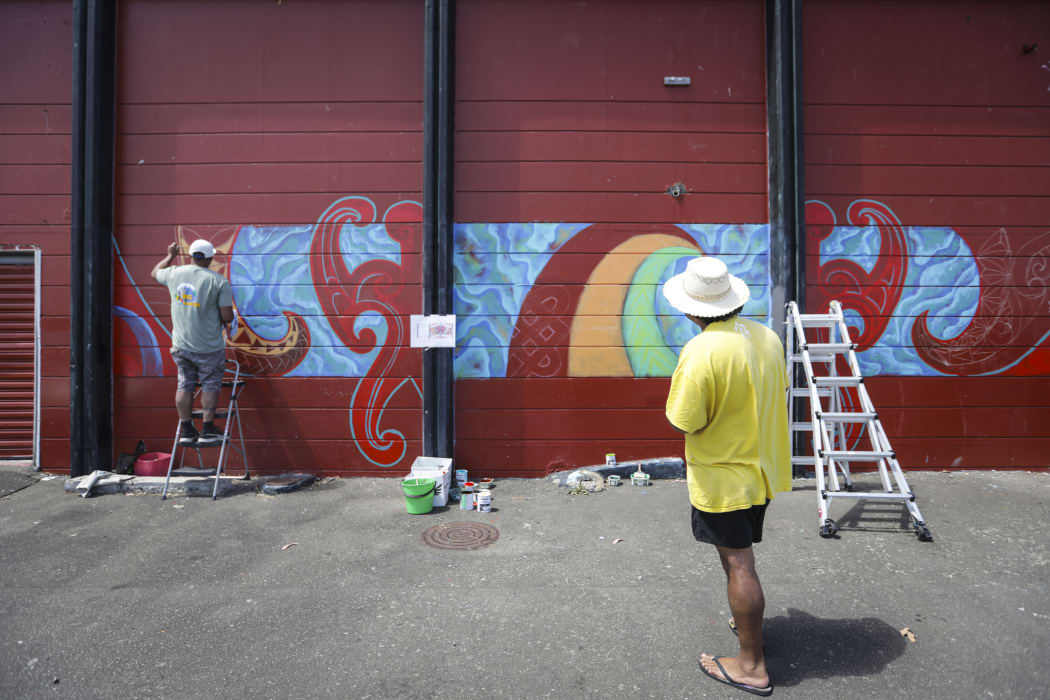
{"points": [[936, 111], [35, 142], [562, 116], [236, 115]]}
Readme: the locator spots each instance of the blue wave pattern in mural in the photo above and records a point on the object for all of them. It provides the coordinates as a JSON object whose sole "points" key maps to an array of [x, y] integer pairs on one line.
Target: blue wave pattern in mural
{"points": [[942, 279], [270, 269], [495, 267]]}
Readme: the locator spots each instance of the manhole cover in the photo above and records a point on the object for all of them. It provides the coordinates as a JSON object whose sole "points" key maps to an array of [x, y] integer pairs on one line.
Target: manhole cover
{"points": [[460, 535]]}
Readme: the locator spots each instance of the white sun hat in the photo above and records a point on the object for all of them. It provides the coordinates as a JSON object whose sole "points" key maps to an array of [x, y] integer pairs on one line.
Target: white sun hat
{"points": [[706, 289], [202, 249]]}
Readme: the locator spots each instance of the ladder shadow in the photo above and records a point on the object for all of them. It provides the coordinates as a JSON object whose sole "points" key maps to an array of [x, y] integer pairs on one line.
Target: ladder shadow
{"points": [[800, 646], [879, 516]]}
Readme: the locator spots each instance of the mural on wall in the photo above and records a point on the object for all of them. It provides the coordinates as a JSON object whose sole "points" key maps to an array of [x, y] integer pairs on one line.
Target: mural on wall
{"points": [[329, 299], [320, 300], [536, 300], [921, 302]]}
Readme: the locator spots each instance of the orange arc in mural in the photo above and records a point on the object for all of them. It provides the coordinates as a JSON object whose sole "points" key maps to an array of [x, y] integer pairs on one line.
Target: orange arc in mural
{"points": [[596, 346]]}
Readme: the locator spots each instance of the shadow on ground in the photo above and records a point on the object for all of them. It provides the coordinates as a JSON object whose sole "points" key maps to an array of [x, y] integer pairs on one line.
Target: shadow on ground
{"points": [[800, 646]]}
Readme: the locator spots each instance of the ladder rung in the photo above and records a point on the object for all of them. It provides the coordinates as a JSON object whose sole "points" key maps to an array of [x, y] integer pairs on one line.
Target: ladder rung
{"points": [[229, 384], [847, 417], [871, 495], [803, 461], [829, 347], [199, 413], [799, 392], [193, 471], [801, 427], [814, 358], [818, 319], [838, 381], [859, 455]]}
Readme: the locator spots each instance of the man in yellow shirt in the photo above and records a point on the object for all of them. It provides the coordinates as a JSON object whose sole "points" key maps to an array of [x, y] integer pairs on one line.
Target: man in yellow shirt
{"points": [[728, 397]]}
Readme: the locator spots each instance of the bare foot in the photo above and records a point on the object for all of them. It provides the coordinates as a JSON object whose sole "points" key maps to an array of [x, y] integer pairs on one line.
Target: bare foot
{"points": [[756, 677]]}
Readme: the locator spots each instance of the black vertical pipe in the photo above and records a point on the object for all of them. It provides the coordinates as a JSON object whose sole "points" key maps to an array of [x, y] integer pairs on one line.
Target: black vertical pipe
{"points": [[785, 157], [780, 155], [445, 218], [438, 190], [76, 248], [430, 198], [800, 154], [99, 171], [91, 235]]}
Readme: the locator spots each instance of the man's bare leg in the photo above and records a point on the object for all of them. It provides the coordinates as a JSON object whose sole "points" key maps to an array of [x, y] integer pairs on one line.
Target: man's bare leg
{"points": [[747, 604], [184, 405], [209, 399]]}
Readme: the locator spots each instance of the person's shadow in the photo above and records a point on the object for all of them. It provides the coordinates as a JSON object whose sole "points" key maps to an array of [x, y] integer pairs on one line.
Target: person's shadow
{"points": [[801, 646]]}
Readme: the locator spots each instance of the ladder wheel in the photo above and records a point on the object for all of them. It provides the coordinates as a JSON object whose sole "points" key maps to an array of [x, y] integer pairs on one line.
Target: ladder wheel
{"points": [[923, 533], [829, 528]]}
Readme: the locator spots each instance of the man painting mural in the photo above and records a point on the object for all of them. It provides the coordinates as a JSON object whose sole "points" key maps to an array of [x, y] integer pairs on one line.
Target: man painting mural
{"points": [[728, 397], [201, 303]]}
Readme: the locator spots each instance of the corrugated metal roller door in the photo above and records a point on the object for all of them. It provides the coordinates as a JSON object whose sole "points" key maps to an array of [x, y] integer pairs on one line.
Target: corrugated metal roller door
{"points": [[16, 356]]}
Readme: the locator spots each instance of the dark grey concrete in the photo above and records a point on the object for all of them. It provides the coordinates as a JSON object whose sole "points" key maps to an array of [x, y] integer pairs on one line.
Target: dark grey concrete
{"points": [[15, 479], [128, 596]]}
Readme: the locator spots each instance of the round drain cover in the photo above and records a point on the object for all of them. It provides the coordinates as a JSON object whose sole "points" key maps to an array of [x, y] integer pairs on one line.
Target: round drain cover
{"points": [[460, 535]]}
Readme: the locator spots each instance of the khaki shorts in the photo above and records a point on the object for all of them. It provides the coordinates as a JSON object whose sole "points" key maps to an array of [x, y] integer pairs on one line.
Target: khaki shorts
{"points": [[204, 368]]}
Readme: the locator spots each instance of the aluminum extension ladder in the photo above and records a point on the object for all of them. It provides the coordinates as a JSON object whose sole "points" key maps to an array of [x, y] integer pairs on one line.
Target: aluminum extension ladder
{"points": [[234, 381], [836, 402]]}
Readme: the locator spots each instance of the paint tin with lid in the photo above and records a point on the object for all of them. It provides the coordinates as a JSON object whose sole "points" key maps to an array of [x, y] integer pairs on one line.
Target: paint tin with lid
{"points": [[461, 477], [466, 501], [484, 499], [610, 459]]}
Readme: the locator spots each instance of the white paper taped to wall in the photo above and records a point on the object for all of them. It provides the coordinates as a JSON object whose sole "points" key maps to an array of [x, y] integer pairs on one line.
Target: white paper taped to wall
{"points": [[433, 331]]}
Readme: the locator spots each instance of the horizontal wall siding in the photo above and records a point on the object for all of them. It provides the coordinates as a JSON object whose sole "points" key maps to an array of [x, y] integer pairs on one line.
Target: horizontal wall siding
{"points": [[291, 137], [928, 179], [567, 141], [35, 145]]}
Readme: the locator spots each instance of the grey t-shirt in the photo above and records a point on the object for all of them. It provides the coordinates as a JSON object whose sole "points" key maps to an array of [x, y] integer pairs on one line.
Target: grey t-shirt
{"points": [[196, 295]]}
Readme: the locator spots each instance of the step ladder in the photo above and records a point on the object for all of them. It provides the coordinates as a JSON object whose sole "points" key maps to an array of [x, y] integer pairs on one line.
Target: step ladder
{"points": [[839, 408], [233, 382]]}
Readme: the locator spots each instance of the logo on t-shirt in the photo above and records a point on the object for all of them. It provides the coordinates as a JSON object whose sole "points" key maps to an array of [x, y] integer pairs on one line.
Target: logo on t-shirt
{"points": [[186, 294], [741, 329]]}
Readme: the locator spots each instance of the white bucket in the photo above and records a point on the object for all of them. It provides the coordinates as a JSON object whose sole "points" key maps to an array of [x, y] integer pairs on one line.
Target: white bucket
{"points": [[484, 499], [437, 468]]}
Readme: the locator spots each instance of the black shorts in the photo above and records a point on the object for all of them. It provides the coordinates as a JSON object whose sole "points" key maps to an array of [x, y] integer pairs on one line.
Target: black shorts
{"points": [[737, 529]]}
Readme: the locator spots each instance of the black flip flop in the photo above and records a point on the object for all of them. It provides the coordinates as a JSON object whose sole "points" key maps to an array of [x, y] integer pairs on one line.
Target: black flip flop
{"points": [[764, 692]]}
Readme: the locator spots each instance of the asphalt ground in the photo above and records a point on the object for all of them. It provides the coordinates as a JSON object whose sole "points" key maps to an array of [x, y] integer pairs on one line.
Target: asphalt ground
{"points": [[604, 595]]}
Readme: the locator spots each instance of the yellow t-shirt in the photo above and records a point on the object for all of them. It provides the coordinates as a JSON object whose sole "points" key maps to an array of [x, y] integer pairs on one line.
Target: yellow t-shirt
{"points": [[728, 396]]}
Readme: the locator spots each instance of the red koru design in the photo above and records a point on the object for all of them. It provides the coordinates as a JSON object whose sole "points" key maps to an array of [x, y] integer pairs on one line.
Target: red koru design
{"points": [[373, 286], [874, 295], [1011, 314]]}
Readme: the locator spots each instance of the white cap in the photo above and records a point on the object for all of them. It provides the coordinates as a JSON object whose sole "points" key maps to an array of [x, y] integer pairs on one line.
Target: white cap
{"points": [[202, 249]]}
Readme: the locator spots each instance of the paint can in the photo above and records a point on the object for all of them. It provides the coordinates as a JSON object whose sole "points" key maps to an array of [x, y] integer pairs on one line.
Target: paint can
{"points": [[610, 459], [461, 477], [466, 501], [484, 501], [613, 480], [468, 487], [640, 479]]}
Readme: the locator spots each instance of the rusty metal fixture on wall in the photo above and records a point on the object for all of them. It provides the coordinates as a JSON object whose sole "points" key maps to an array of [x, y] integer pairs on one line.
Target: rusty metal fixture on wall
{"points": [[677, 190]]}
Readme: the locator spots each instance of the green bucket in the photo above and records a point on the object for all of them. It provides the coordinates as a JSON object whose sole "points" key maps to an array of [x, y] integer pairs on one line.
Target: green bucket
{"points": [[419, 495]]}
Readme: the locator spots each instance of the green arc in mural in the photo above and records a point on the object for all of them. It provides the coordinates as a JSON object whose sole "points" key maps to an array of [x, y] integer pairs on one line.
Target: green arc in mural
{"points": [[643, 339]]}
